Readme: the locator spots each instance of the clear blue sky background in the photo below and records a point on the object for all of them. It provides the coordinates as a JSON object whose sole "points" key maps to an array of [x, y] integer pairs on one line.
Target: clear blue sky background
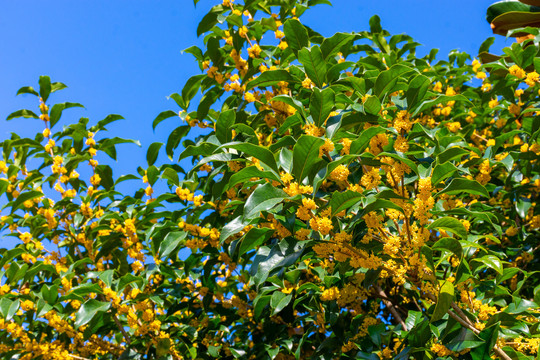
{"points": [[124, 57]]}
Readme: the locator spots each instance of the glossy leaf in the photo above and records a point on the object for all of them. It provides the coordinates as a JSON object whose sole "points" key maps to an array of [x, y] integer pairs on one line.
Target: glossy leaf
{"points": [[459, 185], [306, 159], [450, 224], [89, 310], [314, 64], [270, 77], [295, 34], [444, 300], [321, 105], [264, 198]]}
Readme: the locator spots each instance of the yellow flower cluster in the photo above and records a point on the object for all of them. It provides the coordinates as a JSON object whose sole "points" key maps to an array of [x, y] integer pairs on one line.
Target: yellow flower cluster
{"points": [[424, 202], [326, 148], [313, 130], [517, 71], [345, 150], [402, 122], [293, 189], [484, 175], [330, 294], [340, 173], [371, 179], [377, 143], [321, 224], [304, 211]]}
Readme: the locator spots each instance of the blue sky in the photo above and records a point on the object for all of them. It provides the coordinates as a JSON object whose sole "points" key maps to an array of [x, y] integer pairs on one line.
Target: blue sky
{"points": [[125, 57]]}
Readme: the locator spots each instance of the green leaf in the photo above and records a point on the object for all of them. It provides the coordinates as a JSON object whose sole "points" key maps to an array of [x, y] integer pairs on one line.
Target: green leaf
{"points": [[27, 90], [254, 238], [490, 336], [296, 34], [411, 164], [233, 227], [444, 300], [460, 185], [171, 175], [44, 87], [450, 224], [224, 126], [413, 318], [314, 64], [85, 289], [58, 109], [209, 98], [491, 261], [22, 113], [259, 304], [108, 119], [417, 90], [170, 242], [360, 144], [372, 105], [8, 308], [202, 149], [174, 139], [333, 44], [343, 200], [191, 87], [428, 104], [516, 19], [50, 293], [484, 47], [321, 105], [381, 204], [442, 171], [153, 152], [29, 195], [449, 244], [466, 339], [290, 101], [522, 206], [453, 153], [278, 301], [264, 198], [258, 152], [56, 86], [270, 77], [502, 7], [247, 173], [388, 79], [306, 161], [375, 24], [209, 20], [162, 116], [88, 310]]}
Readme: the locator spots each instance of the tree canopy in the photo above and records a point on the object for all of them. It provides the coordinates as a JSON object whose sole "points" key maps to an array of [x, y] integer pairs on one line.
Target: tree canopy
{"points": [[347, 199]]}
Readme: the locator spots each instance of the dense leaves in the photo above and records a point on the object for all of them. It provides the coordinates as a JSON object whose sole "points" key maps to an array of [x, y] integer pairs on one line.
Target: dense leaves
{"points": [[347, 199]]}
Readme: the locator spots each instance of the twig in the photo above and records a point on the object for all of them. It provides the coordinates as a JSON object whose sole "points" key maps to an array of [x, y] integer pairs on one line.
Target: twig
{"points": [[122, 330], [78, 357], [390, 307]]}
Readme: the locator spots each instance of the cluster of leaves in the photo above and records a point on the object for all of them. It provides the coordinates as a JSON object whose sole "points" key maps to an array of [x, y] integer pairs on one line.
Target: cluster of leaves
{"points": [[347, 199], [514, 17]]}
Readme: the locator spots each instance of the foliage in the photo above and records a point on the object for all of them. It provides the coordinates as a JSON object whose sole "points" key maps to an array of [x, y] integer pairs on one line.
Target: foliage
{"points": [[516, 18], [347, 199]]}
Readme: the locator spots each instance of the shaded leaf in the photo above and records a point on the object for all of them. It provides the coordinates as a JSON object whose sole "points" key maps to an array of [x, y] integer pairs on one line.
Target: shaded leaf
{"points": [[444, 300], [450, 224], [314, 64], [264, 198]]}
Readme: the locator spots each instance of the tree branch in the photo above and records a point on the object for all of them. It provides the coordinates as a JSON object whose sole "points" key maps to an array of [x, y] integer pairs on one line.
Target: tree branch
{"points": [[390, 307]]}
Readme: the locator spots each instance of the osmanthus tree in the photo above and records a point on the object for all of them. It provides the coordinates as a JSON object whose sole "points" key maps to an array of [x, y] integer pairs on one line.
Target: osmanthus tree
{"points": [[347, 199]]}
